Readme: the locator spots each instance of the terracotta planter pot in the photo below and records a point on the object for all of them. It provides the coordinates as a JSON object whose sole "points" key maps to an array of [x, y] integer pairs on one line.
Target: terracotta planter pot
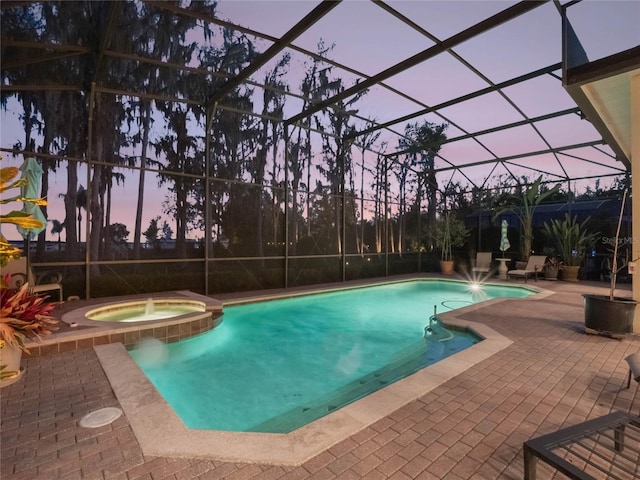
{"points": [[446, 266], [569, 273], [608, 317], [551, 273], [10, 358]]}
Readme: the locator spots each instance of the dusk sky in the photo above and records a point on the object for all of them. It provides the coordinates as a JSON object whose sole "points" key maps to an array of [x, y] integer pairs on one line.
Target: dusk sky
{"points": [[369, 40]]}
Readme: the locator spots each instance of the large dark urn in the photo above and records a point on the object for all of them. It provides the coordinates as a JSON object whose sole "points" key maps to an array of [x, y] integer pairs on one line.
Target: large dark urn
{"points": [[605, 316]]}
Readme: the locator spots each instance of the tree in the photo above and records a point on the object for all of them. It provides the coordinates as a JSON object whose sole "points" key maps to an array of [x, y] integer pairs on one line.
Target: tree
{"points": [[118, 233], [81, 203], [524, 206], [57, 228], [365, 142], [183, 155], [63, 114], [381, 186], [422, 143], [157, 32], [299, 154], [151, 233], [449, 232], [167, 233], [272, 114], [336, 149]]}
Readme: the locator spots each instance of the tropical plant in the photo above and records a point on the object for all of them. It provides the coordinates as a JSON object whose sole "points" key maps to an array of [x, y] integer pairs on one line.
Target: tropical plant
{"points": [[571, 239], [56, 228], [553, 261], [24, 315], [20, 219], [449, 232], [524, 206]]}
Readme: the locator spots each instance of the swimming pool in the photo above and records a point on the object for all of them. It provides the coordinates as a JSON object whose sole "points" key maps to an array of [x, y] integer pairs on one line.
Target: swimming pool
{"points": [[274, 366]]}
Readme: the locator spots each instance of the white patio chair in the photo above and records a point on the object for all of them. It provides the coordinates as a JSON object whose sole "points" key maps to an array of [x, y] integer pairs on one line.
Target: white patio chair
{"points": [[483, 263], [534, 266], [46, 282]]}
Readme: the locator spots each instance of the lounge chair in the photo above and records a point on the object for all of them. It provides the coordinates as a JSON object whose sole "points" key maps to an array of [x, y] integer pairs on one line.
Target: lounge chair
{"points": [[534, 266], [634, 368], [483, 263], [46, 282]]}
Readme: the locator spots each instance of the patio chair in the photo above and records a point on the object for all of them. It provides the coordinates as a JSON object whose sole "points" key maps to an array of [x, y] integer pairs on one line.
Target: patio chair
{"points": [[634, 368], [45, 282], [483, 263], [534, 266]]}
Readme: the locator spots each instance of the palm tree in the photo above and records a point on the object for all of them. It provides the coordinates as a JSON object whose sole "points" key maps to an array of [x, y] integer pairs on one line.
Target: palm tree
{"points": [[81, 203], [57, 228]]}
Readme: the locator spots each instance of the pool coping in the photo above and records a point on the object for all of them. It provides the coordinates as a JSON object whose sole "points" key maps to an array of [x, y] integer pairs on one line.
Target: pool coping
{"points": [[160, 432]]}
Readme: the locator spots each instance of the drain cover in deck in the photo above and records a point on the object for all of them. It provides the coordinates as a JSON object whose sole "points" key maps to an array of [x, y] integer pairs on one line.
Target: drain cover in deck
{"points": [[100, 418]]}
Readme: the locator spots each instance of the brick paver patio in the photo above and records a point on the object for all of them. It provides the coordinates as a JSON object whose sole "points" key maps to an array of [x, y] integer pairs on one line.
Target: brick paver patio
{"points": [[471, 427]]}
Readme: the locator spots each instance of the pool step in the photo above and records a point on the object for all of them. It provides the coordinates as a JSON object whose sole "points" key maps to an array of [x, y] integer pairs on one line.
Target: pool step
{"points": [[406, 362]]}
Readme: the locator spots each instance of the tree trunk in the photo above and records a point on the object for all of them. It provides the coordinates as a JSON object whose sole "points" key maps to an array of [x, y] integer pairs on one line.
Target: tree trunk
{"points": [[143, 166]]}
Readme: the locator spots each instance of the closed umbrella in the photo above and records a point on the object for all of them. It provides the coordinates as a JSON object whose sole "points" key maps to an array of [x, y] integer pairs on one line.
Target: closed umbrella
{"points": [[504, 239], [32, 172]]}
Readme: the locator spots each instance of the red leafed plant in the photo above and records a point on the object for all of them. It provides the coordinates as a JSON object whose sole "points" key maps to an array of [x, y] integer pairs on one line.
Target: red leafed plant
{"points": [[24, 315]]}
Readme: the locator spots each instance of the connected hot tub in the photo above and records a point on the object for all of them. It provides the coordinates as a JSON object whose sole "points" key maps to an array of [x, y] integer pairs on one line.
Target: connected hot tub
{"points": [[145, 310], [167, 316]]}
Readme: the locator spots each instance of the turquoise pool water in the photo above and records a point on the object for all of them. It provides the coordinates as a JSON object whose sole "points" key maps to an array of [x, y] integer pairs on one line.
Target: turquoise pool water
{"points": [[275, 366]]}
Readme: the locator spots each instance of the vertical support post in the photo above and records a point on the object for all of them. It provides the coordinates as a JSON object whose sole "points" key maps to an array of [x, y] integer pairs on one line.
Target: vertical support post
{"points": [[419, 233], [208, 224], [479, 246], [286, 205], [386, 216], [634, 108], [87, 230], [343, 233]]}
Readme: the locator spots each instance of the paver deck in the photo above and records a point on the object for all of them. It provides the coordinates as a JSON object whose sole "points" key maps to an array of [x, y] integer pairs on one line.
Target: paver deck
{"points": [[471, 427]]}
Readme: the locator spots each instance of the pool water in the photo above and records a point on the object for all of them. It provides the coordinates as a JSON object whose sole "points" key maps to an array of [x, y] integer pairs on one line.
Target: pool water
{"points": [[275, 366], [129, 312]]}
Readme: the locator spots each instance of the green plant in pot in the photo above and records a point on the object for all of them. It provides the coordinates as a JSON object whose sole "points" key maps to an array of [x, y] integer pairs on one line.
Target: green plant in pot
{"points": [[609, 314], [23, 315], [571, 240], [449, 232]]}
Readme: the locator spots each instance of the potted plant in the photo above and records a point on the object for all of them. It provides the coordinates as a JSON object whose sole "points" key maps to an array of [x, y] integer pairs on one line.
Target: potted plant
{"points": [[23, 315], [609, 314], [571, 240], [552, 267], [450, 232]]}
